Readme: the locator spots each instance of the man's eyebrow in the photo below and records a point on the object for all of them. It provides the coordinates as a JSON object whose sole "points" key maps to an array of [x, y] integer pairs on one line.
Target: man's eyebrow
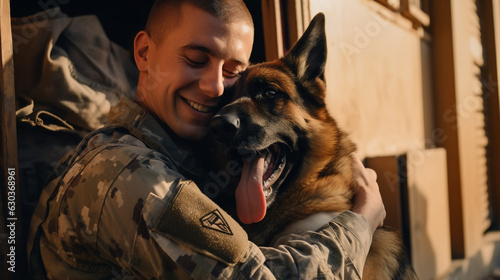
{"points": [[197, 47], [210, 52]]}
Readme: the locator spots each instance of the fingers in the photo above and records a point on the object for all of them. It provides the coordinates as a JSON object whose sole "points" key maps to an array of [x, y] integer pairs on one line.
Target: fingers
{"points": [[367, 200], [364, 177], [356, 162], [372, 173]]}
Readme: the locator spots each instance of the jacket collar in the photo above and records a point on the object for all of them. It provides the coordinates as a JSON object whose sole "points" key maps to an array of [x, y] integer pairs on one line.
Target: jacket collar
{"points": [[155, 134]]}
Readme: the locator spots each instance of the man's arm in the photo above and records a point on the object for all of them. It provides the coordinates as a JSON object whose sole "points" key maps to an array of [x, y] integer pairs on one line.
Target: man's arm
{"points": [[337, 250], [175, 230]]}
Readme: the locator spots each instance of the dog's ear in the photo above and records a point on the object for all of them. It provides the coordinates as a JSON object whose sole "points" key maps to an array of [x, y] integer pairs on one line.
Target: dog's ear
{"points": [[309, 53]]}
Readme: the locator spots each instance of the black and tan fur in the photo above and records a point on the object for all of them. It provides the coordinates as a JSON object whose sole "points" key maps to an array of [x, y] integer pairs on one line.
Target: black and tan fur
{"points": [[283, 102]]}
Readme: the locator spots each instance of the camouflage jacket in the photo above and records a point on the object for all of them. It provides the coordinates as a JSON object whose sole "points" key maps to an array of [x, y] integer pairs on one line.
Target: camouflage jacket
{"points": [[125, 208]]}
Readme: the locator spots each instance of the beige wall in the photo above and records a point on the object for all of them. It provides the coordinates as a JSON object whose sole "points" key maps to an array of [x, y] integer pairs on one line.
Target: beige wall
{"points": [[399, 91], [374, 76], [379, 82]]}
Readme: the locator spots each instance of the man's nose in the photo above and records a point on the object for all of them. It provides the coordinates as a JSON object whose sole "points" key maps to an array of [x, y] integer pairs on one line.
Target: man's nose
{"points": [[212, 82]]}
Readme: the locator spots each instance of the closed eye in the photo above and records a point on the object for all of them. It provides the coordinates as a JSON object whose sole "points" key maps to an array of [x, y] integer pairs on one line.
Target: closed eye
{"points": [[231, 74], [195, 62]]}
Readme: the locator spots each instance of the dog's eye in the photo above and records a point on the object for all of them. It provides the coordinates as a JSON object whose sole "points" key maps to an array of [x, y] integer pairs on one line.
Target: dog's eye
{"points": [[270, 93]]}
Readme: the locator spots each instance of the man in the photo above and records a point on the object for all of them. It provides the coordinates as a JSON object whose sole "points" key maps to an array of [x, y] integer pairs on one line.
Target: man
{"points": [[127, 203]]}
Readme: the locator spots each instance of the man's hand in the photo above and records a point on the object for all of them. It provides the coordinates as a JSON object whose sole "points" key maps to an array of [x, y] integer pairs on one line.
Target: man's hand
{"points": [[367, 199]]}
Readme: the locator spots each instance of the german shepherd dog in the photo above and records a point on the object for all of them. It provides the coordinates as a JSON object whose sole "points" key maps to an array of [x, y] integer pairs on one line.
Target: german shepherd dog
{"points": [[295, 159]]}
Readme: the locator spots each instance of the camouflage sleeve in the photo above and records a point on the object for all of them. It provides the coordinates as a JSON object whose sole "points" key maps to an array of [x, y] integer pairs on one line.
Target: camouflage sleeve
{"points": [[206, 243], [170, 230], [154, 224], [337, 251], [209, 244]]}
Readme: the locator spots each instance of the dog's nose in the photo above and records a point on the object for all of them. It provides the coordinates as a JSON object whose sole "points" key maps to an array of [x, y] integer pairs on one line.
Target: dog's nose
{"points": [[224, 127]]}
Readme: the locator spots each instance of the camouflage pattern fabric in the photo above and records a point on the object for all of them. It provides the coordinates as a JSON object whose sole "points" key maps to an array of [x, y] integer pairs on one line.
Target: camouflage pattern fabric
{"points": [[127, 208]]}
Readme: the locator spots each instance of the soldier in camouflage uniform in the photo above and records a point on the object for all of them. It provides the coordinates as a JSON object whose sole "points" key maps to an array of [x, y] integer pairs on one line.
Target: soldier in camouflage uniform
{"points": [[126, 203]]}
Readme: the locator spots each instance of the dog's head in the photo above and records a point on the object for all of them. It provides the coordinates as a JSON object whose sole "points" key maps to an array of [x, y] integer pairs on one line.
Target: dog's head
{"points": [[273, 106]]}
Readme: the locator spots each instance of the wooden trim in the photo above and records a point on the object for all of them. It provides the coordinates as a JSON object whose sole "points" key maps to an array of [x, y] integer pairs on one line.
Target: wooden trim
{"points": [[273, 34], [297, 19], [444, 83], [414, 190], [394, 5], [427, 202], [459, 118], [8, 154], [303, 11], [489, 13], [390, 181], [414, 13], [283, 23]]}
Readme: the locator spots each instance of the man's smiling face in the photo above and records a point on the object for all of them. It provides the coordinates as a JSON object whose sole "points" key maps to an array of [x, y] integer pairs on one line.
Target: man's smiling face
{"points": [[186, 71]]}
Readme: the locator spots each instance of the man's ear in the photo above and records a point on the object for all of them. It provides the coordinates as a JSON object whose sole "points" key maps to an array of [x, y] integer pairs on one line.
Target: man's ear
{"points": [[141, 47], [309, 53]]}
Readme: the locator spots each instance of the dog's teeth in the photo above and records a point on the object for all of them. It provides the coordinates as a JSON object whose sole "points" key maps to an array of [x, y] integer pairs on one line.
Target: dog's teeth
{"points": [[267, 160], [270, 179], [267, 192]]}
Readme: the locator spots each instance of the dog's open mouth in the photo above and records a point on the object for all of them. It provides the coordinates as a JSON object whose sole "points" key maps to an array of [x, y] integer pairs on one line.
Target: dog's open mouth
{"points": [[260, 171], [273, 165]]}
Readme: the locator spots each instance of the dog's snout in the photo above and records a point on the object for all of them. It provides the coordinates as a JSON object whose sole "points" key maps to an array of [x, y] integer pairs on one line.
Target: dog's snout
{"points": [[224, 127]]}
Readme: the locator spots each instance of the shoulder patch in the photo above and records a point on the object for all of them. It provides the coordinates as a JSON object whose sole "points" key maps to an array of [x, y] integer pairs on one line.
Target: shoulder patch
{"points": [[191, 217], [214, 220]]}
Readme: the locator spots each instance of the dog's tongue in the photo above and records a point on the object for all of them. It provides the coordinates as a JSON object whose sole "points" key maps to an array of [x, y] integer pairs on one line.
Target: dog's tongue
{"points": [[250, 199]]}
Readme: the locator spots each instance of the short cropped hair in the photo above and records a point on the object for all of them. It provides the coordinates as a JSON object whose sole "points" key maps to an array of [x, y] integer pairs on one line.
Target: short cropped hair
{"points": [[165, 14]]}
